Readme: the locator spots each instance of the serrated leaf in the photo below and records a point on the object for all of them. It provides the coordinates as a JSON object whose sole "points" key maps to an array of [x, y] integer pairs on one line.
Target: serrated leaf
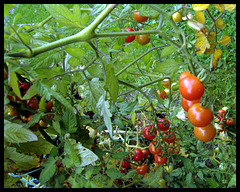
{"points": [[168, 66], [220, 23], [120, 155], [69, 121], [70, 151], [189, 179], [225, 40], [112, 82], [200, 7], [215, 57], [127, 107], [75, 52], [202, 43], [200, 175], [15, 133], [13, 83], [48, 171], [168, 50], [230, 7], [219, 7], [200, 17], [114, 174], [32, 91], [232, 181], [212, 182]]}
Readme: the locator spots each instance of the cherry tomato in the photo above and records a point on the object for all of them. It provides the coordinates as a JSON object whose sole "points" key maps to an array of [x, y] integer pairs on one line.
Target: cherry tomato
{"points": [[169, 168], [35, 126], [199, 116], [163, 124], [125, 164], [177, 17], [187, 103], [145, 153], [138, 152], [12, 113], [206, 133], [146, 133], [183, 75], [169, 137], [138, 155], [142, 169], [24, 86], [222, 114], [162, 95], [143, 39], [129, 39], [166, 82], [49, 105], [230, 121], [222, 167], [10, 97], [139, 18], [174, 148], [162, 183], [17, 98], [32, 103], [191, 88], [160, 160], [152, 148]]}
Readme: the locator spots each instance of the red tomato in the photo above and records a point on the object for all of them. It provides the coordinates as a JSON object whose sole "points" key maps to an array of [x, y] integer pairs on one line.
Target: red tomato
{"points": [[125, 164], [129, 39], [24, 86], [206, 133], [199, 116], [163, 124], [142, 169], [153, 149], [160, 160], [191, 88], [183, 75], [139, 18], [162, 95], [221, 113], [230, 121], [145, 153], [49, 105], [146, 133], [169, 137], [187, 103], [32, 103]]}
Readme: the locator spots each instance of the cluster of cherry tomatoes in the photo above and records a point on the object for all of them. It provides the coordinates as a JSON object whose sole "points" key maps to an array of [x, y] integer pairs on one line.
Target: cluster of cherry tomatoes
{"points": [[32, 104], [192, 89], [224, 122], [141, 39]]}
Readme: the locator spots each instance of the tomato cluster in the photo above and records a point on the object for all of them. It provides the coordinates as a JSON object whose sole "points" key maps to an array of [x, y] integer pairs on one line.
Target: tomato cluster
{"points": [[224, 120], [192, 89]]}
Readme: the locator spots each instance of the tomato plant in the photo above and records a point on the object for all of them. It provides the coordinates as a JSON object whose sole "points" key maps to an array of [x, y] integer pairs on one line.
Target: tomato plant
{"points": [[129, 39], [160, 160], [162, 94], [125, 164], [169, 168], [174, 148], [162, 183], [152, 148], [163, 124], [206, 133], [32, 103], [199, 116], [139, 18], [49, 105], [230, 121], [145, 153], [147, 134], [142, 169], [177, 17], [143, 39], [169, 137]]}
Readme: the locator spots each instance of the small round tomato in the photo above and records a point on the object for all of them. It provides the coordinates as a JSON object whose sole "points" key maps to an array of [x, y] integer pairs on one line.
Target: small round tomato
{"points": [[145, 153], [138, 155], [163, 94], [183, 75], [187, 103], [162, 183], [199, 116], [222, 114], [153, 149], [169, 168], [191, 88], [222, 167], [125, 164], [160, 160], [138, 152], [143, 39], [49, 105], [163, 124], [230, 121], [24, 86], [177, 17], [169, 137], [174, 148], [32, 103], [129, 39], [12, 113], [146, 133], [206, 133], [166, 82], [142, 169], [139, 18]]}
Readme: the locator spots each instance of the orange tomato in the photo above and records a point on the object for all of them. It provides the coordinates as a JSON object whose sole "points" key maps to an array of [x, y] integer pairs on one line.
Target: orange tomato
{"points": [[206, 133], [187, 103], [139, 18]]}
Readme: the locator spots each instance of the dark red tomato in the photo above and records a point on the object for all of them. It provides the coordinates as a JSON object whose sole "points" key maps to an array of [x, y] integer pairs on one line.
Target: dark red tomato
{"points": [[169, 137], [160, 160], [142, 169], [129, 39], [17, 98], [125, 164], [191, 88], [199, 116], [24, 86], [163, 124], [145, 153], [187, 103], [183, 75], [230, 121], [49, 105], [138, 157], [9, 97], [138, 152], [32, 103], [152, 148], [139, 18], [221, 113], [146, 133]]}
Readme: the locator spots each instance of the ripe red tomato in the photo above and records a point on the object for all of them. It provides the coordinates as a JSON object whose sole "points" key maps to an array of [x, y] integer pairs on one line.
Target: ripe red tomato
{"points": [[49, 105], [142, 169], [129, 39], [230, 121], [199, 116], [174, 148], [169, 137], [32, 103], [138, 152], [163, 124], [125, 164], [143, 39], [139, 18], [35, 126], [183, 75], [187, 103], [24, 86], [206, 133], [146, 133], [153, 149], [162, 95], [160, 160], [145, 153], [221, 113], [12, 113], [138, 155], [191, 88]]}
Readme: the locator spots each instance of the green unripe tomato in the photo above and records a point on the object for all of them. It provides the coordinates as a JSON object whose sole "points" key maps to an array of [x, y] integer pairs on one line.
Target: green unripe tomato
{"points": [[222, 167], [162, 183], [169, 168], [175, 86], [154, 16]]}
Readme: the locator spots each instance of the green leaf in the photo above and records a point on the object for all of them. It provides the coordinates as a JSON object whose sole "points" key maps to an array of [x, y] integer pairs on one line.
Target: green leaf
{"points": [[168, 50], [169, 66], [114, 174], [200, 175], [13, 83], [84, 18], [48, 171], [75, 52], [15, 133], [32, 91], [189, 179], [9, 180], [232, 182], [7, 7], [212, 182], [112, 82], [69, 149], [154, 176], [120, 155], [127, 107], [69, 121], [119, 123]]}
